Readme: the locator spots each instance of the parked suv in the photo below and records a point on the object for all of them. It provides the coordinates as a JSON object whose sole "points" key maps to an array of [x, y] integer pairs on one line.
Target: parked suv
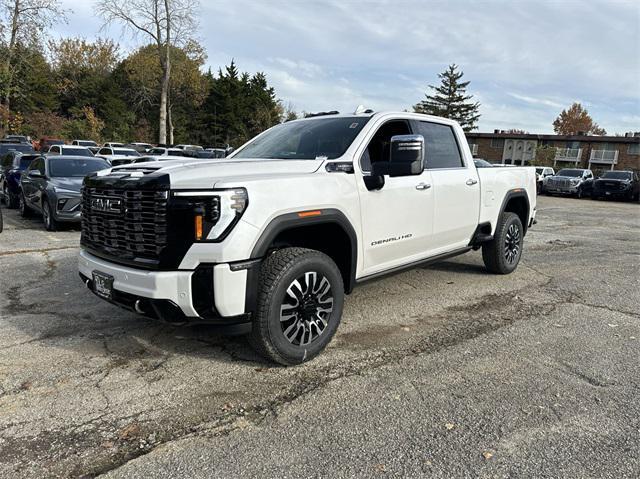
{"points": [[51, 186], [69, 150], [568, 181], [271, 238], [11, 167], [87, 143], [617, 184]]}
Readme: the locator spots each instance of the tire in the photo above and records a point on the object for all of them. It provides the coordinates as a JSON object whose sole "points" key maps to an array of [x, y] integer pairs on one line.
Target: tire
{"points": [[580, 194], [50, 223], [1, 221], [11, 199], [502, 254], [25, 211], [312, 307]]}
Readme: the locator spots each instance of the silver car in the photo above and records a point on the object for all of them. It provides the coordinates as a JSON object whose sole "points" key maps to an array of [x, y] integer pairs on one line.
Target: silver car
{"points": [[51, 186], [567, 181]]}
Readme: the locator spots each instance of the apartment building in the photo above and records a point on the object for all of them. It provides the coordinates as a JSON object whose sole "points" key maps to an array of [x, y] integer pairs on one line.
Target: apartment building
{"points": [[580, 151]]}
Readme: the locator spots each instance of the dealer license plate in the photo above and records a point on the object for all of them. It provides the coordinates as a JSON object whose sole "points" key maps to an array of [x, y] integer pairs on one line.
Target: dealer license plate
{"points": [[103, 284]]}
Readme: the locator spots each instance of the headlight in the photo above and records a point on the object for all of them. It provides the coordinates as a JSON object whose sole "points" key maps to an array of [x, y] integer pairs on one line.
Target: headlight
{"points": [[215, 212], [575, 181], [65, 191]]}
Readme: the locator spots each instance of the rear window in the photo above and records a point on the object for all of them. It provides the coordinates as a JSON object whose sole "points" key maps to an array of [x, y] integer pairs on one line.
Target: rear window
{"points": [[21, 147], [126, 152], [77, 151]]}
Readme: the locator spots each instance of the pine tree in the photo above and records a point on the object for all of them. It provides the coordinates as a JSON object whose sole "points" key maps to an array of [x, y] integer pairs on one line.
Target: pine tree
{"points": [[450, 100]]}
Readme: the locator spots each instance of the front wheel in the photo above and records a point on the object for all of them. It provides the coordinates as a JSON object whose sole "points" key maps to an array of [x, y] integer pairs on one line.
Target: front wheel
{"points": [[299, 305], [50, 223], [502, 254], [25, 211]]}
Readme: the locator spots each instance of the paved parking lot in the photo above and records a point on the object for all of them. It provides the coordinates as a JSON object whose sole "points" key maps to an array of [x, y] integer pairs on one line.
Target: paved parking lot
{"points": [[442, 371]]}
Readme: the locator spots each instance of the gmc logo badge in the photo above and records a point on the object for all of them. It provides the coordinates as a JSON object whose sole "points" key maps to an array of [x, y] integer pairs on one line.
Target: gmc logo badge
{"points": [[106, 204]]}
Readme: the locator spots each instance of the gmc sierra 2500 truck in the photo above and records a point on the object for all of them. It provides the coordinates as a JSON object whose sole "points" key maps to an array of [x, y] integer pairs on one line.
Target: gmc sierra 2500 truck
{"points": [[274, 236]]}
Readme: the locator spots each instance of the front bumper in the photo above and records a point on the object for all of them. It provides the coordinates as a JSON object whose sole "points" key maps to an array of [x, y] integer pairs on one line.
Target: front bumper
{"points": [[213, 293], [68, 208], [626, 193], [562, 190]]}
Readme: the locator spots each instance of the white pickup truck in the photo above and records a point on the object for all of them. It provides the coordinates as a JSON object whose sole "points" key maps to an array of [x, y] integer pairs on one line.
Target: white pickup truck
{"points": [[273, 237]]}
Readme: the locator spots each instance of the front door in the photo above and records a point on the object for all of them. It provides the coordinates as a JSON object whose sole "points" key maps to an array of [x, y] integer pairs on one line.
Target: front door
{"points": [[397, 219]]}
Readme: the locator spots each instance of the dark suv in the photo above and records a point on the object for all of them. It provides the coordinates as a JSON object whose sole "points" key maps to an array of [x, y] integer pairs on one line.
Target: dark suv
{"points": [[12, 165], [51, 186], [617, 184]]}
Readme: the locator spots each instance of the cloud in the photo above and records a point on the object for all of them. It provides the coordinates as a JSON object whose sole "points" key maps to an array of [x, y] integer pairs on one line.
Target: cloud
{"points": [[536, 101], [526, 60]]}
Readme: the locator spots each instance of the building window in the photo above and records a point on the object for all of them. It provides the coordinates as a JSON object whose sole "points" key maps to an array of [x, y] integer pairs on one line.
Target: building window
{"points": [[634, 149], [497, 142]]}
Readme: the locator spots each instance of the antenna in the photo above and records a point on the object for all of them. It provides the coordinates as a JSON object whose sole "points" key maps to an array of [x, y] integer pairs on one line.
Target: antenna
{"points": [[362, 109]]}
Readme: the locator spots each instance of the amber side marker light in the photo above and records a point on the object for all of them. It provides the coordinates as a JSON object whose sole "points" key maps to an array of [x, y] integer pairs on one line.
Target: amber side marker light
{"points": [[198, 227], [306, 214]]}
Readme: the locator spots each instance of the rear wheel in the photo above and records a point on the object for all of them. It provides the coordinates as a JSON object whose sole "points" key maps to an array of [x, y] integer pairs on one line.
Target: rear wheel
{"points": [[299, 305], [502, 254], [11, 199], [25, 211]]}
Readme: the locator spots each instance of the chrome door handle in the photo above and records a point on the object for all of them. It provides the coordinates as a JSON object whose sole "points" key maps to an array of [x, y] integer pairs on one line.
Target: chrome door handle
{"points": [[423, 186], [471, 182]]}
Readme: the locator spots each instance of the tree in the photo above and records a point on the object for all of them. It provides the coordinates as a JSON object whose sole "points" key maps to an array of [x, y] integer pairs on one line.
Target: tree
{"points": [[81, 70], [450, 100], [188, 85], [27, 20], [576, 120], [167, 23], [545, 155], [237, 107]]}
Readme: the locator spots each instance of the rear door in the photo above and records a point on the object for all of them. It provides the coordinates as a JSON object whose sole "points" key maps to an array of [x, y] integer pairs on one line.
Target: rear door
{"points": [[456, 187]]}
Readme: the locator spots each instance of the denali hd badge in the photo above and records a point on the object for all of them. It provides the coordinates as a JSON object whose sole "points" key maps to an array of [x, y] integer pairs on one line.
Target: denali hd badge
{"points": [[106, 204]]}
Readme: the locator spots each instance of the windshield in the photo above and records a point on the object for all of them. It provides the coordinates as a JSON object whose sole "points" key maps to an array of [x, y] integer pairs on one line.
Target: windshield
{"points": [[75, 167], [22, 147], [572, 173], [321, 138], [618, 175], [87, 143], [126, 152], [77, 151]]}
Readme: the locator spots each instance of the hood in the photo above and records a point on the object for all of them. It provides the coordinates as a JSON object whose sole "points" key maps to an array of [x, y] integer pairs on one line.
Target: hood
{"points": [[72, 183], [562, 177], [206, 173], [612, 180]]}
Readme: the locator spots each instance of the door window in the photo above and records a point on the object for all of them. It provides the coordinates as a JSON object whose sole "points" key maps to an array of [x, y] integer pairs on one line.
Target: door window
{"points": [[379, 147], [38, 165], [441, 147]]}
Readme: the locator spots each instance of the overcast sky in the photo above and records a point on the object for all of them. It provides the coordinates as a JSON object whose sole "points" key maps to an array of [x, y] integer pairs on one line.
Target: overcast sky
{"points": [[526, 60]]}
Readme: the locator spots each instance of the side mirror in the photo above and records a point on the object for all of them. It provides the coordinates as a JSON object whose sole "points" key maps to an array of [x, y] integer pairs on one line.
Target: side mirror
{"points": [[35, 174], [406, 157]]}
